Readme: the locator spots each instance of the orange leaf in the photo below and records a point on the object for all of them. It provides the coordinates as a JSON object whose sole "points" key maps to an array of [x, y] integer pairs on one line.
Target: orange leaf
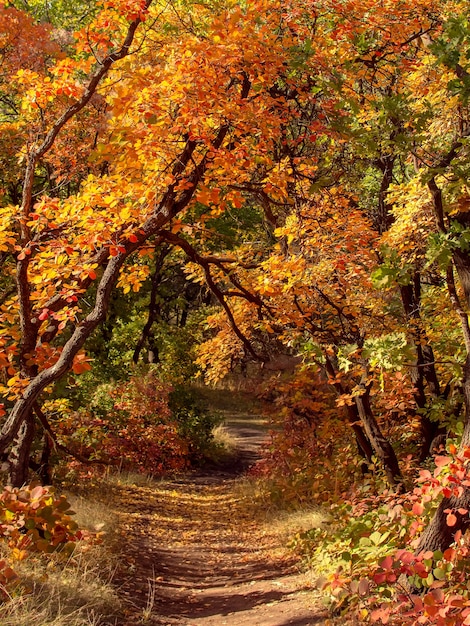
{"points": [[418, 508], [451, 519]]}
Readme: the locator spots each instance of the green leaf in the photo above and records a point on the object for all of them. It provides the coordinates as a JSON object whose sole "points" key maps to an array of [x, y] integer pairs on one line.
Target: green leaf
{"points": [[439, 573], [376, 538]]}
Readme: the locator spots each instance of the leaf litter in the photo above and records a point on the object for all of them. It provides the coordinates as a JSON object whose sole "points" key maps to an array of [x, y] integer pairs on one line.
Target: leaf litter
{"points": [[196, 552]]}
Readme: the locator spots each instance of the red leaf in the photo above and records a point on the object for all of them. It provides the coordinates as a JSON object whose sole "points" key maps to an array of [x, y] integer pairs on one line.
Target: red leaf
{"points": [[387, 562], [382, 614], [449, 554]]}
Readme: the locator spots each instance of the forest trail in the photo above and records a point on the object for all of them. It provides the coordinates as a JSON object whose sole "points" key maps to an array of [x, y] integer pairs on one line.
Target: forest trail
{"points": [[194, 552]]}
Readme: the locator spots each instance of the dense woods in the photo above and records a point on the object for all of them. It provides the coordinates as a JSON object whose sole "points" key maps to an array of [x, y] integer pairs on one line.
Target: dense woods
{"points": [[272, 188]]}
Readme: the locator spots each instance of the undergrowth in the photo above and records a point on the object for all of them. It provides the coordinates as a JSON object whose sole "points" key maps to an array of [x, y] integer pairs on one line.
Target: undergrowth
{"points": [[366, 556], [56, 567]]}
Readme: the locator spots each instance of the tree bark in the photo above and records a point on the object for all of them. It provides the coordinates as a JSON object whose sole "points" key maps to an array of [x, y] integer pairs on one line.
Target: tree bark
{"points": [[369, 437], [153, 308], [382, 446], [18, 459], [438, 535], [423, 372]]}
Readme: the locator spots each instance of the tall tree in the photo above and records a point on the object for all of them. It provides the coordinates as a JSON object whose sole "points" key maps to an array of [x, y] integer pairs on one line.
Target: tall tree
{"points": [[180, 107]]}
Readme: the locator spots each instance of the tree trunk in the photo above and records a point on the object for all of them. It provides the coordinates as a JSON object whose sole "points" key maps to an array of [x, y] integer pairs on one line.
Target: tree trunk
{"points": [[44, 469], [18, 458], [369, 437], [169, 206], [382, 447], [363, 443], [153, 307], [423, 371], [438, 535], [384, 217]]}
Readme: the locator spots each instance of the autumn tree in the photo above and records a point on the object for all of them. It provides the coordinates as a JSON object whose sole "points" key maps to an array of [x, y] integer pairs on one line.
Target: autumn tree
{"points": [[422, 115], [339, 129], [372, 79], [185, 111]]}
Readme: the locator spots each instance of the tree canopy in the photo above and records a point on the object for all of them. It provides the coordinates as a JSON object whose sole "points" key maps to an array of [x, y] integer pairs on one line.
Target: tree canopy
{"points": [[301, 166]]}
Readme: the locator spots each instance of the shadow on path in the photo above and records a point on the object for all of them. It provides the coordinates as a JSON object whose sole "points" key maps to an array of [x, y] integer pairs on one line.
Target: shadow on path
{"points": [[195, 555]]}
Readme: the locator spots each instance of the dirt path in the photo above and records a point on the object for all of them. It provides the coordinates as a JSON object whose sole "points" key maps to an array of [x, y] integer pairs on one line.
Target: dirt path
{"points": [[195, 554]]}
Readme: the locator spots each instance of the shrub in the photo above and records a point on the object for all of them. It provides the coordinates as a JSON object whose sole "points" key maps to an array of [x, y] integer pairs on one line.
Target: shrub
{"points": [[368, 561], [310, 455], [142, 424], [195, 423], [34, 519]]}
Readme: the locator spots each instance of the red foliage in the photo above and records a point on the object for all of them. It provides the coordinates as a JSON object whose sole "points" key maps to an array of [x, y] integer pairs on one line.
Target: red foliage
{"points": [[139, 433], [430, 588], [310, 453]]}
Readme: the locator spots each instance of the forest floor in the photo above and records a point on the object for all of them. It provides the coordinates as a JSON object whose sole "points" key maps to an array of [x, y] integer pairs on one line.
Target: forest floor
{"points": [[195, 551]]}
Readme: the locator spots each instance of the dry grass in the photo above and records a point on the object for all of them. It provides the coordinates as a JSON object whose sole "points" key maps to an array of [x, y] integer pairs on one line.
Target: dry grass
{"points": [[136, 479], [287, 524], [74, 594], [224, 439], [77, 592], [94, 515], [227, 400]]}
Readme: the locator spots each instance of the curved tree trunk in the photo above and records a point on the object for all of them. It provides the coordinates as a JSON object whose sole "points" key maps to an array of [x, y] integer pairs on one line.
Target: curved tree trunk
{"points": [[369, 437], [171, 203], [438, 535], [382, 447]]}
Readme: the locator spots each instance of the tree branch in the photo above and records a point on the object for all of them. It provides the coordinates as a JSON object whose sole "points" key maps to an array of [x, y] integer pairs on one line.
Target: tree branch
{"points": [[219, 294], [59, 446]]}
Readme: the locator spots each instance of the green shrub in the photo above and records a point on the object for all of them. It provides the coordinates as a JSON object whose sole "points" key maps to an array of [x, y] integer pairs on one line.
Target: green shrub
{"points": [[195, 422]]}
